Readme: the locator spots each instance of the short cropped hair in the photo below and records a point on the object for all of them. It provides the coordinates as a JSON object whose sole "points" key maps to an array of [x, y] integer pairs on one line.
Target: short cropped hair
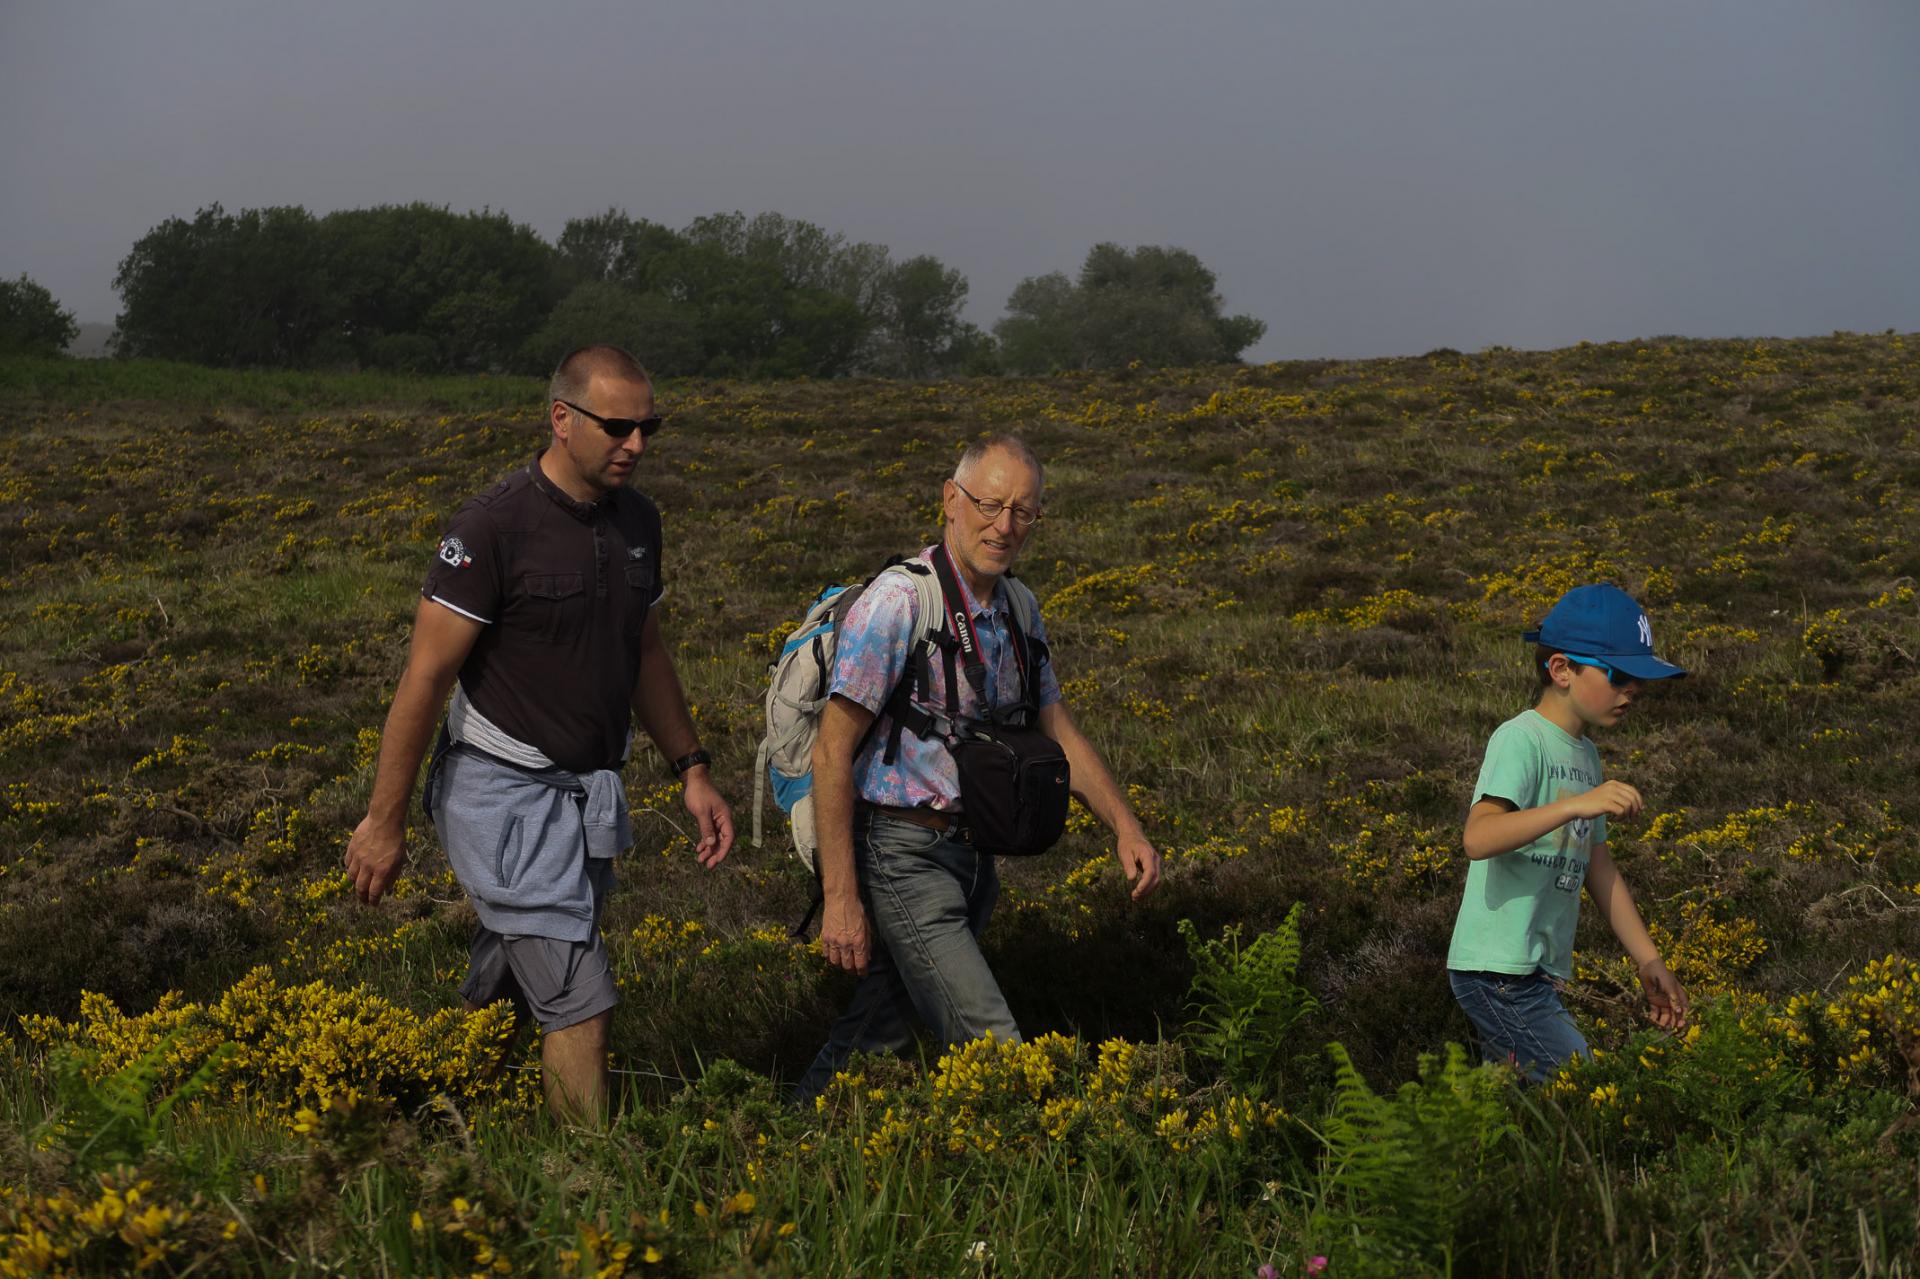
{"points": [[578, 367], [1013, 444], [1541, 656]]}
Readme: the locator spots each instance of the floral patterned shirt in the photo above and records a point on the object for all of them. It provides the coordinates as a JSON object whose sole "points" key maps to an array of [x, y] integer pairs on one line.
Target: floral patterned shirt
{"points": [[872, 658]]}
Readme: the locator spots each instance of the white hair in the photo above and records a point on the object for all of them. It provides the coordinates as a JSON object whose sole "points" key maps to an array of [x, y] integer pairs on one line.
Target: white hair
{"points": [[1013, 444]]}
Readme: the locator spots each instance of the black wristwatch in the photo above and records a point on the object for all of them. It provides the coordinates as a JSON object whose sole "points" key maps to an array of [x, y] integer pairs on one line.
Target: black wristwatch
{"points": [[692, 759]]}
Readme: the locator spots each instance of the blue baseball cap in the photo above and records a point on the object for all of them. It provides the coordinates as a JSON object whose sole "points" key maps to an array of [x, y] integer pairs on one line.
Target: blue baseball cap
{"points": [[1603, 621]]}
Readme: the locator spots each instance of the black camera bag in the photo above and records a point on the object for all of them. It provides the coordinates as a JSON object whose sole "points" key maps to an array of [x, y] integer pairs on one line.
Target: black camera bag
{"points": [[1014, 779]]}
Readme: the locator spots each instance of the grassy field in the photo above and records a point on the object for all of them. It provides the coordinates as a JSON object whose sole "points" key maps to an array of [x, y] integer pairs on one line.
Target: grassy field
{"points": [[1286, 602]]}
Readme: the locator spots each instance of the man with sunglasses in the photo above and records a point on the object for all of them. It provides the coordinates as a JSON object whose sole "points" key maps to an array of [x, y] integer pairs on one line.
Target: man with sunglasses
{"points": [[905, 894], [538, 616]]}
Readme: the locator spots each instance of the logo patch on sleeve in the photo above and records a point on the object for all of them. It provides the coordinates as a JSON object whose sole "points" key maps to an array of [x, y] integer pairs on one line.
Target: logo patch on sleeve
{"points": [[453, 552]]}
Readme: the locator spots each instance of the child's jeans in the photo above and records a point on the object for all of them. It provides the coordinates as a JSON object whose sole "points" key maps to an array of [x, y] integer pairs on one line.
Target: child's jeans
{"points": [[1520, 1019]]}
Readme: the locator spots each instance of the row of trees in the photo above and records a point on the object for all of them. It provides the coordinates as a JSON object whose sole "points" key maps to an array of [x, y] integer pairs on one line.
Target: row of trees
{"points": [[766, 295], [399, 287], [420, 288]]}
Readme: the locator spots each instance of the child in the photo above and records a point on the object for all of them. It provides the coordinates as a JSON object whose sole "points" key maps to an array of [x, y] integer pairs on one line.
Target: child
{"points": [[1538, 829]]}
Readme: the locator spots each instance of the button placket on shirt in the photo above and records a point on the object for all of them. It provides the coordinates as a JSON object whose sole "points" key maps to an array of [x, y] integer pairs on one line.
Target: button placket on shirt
{"points": [[993, 649], [600, 570]]}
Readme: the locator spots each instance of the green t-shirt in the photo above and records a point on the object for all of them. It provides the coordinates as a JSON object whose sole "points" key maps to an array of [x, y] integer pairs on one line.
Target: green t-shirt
{"points": [[1520, 908]]}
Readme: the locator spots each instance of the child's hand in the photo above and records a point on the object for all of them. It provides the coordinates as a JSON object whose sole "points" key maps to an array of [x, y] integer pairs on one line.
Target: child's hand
{"points": [[1608, 799], [1664, 993]]}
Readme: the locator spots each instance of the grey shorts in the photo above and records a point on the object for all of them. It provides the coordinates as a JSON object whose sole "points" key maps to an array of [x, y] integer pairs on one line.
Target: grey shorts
{"points": [[562, 983]]}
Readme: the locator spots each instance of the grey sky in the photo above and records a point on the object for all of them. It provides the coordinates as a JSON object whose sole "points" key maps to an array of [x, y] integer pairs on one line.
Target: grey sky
{"points": [[1368, 176]]}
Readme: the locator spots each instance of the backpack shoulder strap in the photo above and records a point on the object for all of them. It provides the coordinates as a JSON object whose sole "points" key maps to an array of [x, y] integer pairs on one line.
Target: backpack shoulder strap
{"points": [[927, 619], [1026, 609], [1029, 650], [930, 620], [929, 629]]}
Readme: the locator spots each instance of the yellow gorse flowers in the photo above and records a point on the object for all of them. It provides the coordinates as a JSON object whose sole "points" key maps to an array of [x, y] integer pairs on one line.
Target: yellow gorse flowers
{"points": [[298, 1049], [989, 1096], [115, 1225]]}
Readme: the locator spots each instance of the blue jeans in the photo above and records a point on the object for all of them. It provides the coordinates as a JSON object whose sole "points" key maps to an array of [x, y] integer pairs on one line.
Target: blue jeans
{"points": [[927, 899], [1520, 1019]]}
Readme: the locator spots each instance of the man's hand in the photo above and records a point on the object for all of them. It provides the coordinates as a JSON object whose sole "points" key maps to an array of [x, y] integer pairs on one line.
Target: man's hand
{"points": [[843, 935], [1664, 993], [377, 852], [1141, 862], [375, 857], [1608, 799], [715, 818], [1102, 795]]}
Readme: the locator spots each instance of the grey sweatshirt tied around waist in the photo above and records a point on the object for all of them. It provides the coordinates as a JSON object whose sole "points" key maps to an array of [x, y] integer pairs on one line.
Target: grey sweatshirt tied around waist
{"points": [[520, 840]]}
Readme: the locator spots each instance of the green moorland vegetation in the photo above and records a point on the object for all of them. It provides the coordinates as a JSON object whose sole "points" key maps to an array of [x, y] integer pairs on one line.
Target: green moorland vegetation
{"points": [[1286, 601]]}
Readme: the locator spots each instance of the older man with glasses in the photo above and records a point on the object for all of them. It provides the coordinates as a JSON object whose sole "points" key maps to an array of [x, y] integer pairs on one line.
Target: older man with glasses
{"points": [[538, 614], [906, 893]]}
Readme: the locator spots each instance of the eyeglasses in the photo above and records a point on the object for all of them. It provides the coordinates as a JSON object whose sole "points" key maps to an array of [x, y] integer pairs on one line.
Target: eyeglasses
{"points": [[620, 427], [1617, 678], [990, 509]]}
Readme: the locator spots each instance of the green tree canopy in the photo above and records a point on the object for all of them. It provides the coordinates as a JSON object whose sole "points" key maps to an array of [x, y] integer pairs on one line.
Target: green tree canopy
{"points": [[651, 325], [235, 290], [411, 287], [423, 288], [616, 249], [1156, 304], [760, 296], [31, 322], [420, 288], [1043, 329], [919, 330]]}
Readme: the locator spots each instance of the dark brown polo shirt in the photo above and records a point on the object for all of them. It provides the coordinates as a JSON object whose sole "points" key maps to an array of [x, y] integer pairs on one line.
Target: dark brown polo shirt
{"points": [[563, 588]]}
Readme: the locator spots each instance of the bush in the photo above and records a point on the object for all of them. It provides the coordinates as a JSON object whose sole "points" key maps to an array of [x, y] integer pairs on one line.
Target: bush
{"points": [[31, 322]]}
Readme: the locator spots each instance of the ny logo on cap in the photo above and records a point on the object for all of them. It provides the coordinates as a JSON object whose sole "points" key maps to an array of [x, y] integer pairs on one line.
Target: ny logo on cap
{"points": [[1646, 630]]}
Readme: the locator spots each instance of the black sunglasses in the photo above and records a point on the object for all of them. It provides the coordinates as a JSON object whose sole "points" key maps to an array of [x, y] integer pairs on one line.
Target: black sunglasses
{"points": [[620, 427]]}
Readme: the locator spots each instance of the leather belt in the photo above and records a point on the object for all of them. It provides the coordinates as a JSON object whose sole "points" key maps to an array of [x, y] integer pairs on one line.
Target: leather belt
{"points": [[932, 819]]}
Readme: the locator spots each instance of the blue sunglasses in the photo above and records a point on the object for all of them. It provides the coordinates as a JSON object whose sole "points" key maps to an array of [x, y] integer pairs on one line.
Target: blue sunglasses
{"points": [[1616, 677]]}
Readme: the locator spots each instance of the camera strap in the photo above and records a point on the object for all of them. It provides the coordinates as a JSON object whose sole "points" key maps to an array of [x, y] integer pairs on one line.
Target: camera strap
{"points": [[960, 626]]}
